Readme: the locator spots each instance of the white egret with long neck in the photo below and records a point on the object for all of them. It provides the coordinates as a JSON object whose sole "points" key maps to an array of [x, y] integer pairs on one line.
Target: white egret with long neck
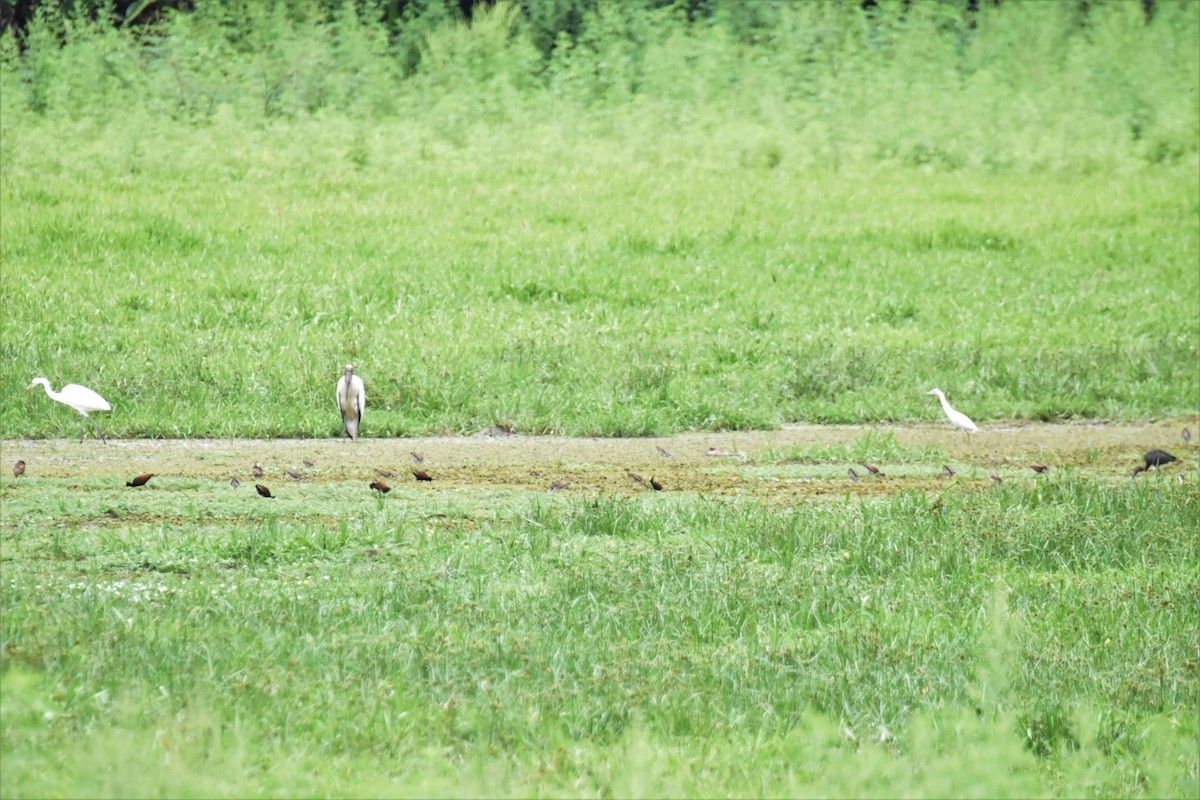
{"points": [[80, 398], [960, 420]]}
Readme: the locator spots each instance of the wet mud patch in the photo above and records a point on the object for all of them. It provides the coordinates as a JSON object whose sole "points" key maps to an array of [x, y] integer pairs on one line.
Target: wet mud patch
{"points": [[794, 463]]}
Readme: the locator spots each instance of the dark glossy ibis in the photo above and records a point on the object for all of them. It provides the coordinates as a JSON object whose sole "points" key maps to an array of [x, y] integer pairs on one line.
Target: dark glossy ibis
{"points": [[380, 487], [1154, 458], [140, 480], [262, 490], [1040, 469], [658, 487], [874, 470], [421, 475]]}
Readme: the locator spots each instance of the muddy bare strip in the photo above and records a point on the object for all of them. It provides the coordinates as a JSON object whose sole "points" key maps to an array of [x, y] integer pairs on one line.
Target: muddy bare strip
{"points": [[793, 462]]}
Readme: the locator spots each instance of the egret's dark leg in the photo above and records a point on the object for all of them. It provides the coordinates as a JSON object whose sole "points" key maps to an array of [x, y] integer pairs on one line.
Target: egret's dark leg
{"points": [[100, 431]]}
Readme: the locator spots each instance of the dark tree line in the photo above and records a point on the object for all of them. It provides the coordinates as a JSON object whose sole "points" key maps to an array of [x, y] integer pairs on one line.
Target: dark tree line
{"points": [[546, 18]]}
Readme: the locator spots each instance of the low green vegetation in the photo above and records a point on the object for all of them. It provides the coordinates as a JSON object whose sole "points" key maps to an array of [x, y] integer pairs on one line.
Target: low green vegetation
{"points": [[558, 247], [1035, 640], [638, 219]]}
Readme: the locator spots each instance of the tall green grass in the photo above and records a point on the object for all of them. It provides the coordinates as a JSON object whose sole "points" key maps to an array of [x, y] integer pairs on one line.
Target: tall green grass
{"points": [[1017, 642], [655, 227]]}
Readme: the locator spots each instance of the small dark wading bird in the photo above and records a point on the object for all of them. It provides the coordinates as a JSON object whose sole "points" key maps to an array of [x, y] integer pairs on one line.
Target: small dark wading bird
{"points": [[257, 471], [262, 490], [18, 469], [1154, 458], [80, 398], [996, 479], [949, 473], [380, 487], [1040, 469], [874, 470], [657, 486], [291, 473], [421, 475], [351, 399], [140, 480], [234, 482]]}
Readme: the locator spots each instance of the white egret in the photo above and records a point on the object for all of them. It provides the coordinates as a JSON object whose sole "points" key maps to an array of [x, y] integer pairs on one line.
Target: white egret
{"points": [[351, 398], [80, 398], [960, 420]]}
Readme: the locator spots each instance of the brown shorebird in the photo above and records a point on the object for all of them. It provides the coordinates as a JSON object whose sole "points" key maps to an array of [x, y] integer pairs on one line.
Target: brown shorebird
{"points": [[1186, 435], [1154, 458], [380, 487], [852, 475], [383, 473], [18, 469], [1040, 469], [257, 471], [633, 476], [140, 480], [421, 475], [291, 473], [262, 490], [949, 473], [996, 479], [657, 486], [234, 482], [874, 470], [558, 486], [665, 454], [308, 462], [417, 457]]}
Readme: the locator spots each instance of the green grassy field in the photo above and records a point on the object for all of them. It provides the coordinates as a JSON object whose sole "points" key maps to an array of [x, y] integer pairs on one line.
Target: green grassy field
{"points": [[494, 253], [787, 214], [190, 640]]}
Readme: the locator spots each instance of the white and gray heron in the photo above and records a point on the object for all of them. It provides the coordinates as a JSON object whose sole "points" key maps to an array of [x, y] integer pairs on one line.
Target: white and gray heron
{"points": [[351, 398]]}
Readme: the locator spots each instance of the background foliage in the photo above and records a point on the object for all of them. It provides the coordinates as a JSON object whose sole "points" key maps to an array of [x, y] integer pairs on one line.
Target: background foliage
{"points": [[716, 215]]}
